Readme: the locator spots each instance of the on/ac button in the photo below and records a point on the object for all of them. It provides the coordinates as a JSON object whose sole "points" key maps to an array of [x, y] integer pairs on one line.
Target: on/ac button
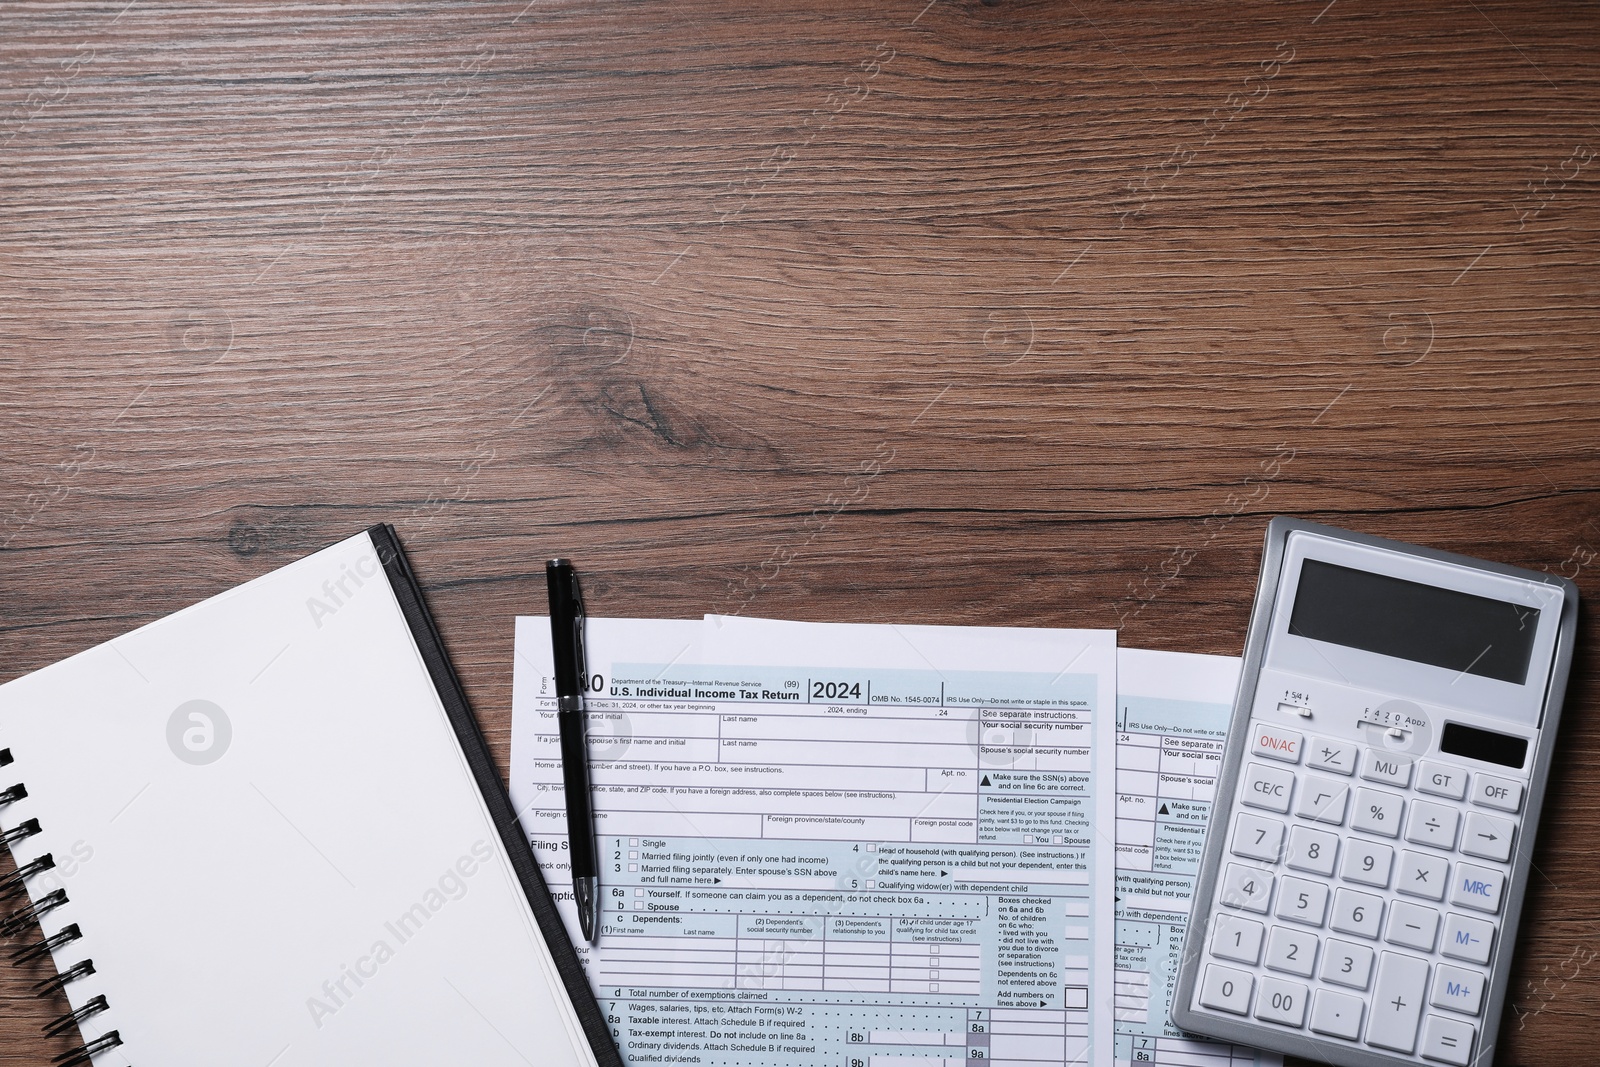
{"points": [[1273, 743]]}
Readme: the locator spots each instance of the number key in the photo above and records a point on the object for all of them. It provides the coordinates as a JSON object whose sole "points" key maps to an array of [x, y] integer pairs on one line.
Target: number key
{"points": [[1312, 851], [1257, 838], [1247, 888], [1378, 812], [1347, 964], [1303, 901], [1282, 1002], [1291, 951], [1366, 862], [1237, 939], [1357, 913], [1226, 989]]}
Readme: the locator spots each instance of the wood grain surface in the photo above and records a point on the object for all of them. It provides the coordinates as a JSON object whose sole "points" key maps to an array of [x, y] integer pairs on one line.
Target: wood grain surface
{"points": [[942, 312]]}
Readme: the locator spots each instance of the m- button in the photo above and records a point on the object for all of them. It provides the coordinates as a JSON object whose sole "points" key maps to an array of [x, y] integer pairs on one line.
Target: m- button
{"points": [[1441, 780], [1275, 744]]}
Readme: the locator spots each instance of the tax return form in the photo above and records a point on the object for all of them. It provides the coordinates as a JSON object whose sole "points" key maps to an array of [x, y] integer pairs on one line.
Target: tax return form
{"points": [[1172, 720], [840, 844]]}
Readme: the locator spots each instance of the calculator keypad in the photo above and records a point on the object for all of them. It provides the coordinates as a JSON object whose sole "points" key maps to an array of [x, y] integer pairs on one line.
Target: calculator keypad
{"points": [[1361, 896]]}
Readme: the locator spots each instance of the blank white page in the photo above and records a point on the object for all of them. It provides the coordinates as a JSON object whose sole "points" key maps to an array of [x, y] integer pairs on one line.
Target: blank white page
{"points": [[330, 890]]}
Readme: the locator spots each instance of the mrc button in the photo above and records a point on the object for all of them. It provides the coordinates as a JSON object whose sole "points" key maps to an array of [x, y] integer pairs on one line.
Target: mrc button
{"points": [[1477, 887], [1274, 743]]}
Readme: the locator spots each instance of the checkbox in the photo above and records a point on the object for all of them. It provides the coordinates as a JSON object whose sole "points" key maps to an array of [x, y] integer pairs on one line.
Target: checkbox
{"points": [[872, 848], [1056, 839], [638, 892], [633, 855], [871, 884], [1027, 839], [633, 842], [933, 987], [633, 867]]}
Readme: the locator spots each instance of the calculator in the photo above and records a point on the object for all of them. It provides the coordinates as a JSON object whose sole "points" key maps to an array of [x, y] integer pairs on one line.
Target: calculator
{"points": [[1359, 889]]}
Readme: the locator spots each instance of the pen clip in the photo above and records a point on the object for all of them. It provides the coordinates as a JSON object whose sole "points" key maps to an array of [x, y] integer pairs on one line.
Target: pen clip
{"points": [[578, 617]]}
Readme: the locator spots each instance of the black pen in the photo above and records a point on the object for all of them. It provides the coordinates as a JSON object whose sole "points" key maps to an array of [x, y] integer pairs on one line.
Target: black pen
{"points": [[566, 637]]}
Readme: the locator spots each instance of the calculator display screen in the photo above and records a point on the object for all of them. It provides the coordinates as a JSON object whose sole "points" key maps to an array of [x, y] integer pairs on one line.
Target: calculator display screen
{"points": [[1491, 747], [1395, 617]]}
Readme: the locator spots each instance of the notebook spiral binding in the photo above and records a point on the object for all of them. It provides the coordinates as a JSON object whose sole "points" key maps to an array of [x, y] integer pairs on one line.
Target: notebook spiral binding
{"points": [[28, 915]]}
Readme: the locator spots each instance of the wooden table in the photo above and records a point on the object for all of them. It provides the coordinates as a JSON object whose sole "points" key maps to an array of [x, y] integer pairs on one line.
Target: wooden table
{"points": [[945, 312]]}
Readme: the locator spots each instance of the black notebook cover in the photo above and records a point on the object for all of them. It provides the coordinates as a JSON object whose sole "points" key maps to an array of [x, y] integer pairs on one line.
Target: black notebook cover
{"points": [[476, 749]]}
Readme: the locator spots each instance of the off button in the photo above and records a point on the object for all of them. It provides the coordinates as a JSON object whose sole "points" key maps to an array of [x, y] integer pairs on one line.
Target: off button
{"points": [[1496, 793], [1274, 743]]}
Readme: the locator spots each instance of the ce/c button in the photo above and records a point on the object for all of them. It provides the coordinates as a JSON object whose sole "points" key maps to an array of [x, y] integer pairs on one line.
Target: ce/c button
{"points": [[1267, 787]]}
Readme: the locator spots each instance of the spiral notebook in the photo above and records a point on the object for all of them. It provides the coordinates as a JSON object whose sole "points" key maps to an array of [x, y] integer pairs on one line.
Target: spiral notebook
{"points": [[266, 830]]}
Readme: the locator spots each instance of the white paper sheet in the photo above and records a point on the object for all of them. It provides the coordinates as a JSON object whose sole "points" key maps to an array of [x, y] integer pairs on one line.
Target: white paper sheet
{"points": [[842, 844], [1172, 719]]}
